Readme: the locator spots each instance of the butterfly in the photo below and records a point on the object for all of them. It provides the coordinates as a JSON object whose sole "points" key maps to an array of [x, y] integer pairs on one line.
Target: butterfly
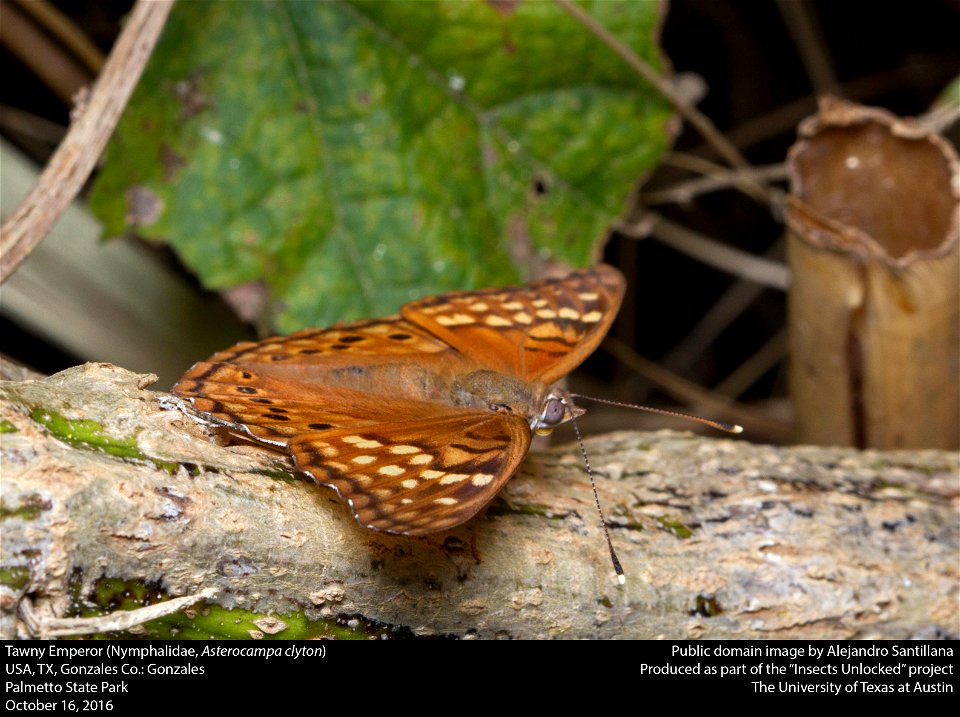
{"points": [[416, 420]]}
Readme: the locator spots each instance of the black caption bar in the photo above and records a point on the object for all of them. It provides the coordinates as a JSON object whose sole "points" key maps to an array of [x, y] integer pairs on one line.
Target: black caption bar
{"points": [[112, 676]]}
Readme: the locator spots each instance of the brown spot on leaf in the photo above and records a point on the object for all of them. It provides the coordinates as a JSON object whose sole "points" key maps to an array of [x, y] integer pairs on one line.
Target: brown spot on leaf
{"points": [[144, 206], [248, 300], [171, 161], [504, 7], [192, 99]]}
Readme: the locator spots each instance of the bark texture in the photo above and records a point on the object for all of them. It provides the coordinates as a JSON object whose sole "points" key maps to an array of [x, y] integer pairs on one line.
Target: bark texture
{"points": [[719, 538]]}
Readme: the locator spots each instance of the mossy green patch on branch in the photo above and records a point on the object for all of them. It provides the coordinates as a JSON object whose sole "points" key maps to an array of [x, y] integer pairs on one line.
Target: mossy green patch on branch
{"points": [[7, 427], [706, 606], [85, 433], [30, 508], [15, 577], [675, 526], [205, 622]]}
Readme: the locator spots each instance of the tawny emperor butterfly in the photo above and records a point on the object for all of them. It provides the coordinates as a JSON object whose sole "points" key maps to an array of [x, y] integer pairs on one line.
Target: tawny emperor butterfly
{"points": [[416, 420]]}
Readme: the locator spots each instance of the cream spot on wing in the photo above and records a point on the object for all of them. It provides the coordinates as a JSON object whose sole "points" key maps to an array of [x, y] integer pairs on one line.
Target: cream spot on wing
{"points": [[363, 460], [342, 467], [431, 474], [494, 320], [512, 306], [591, 318], [545, 331], [539, 303], [363, 480], [588, 295], [457, 456], [403, 449], [406, 501], [479, 306], [568, 313], [410, 483], [446, 501], [391, 470], [327, 450], [481, 479], [453, 478], [382, 493], [369, 444], [455, 320], [352, 439], [420, 460], [523, 317], [547, 314]]}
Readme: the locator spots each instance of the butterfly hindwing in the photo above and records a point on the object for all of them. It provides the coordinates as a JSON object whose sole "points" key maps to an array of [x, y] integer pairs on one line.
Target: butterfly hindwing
{"points": [[416, 476]]}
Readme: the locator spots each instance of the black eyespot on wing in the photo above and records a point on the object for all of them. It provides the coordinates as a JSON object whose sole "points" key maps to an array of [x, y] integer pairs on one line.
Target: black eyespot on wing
{"points": [[400, 337], [319, 426], [246, 389]]}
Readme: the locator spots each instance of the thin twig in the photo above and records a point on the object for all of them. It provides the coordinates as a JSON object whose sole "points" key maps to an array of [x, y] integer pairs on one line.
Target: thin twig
{"points": [[66, 31], [689, 112], [724, 311], [800, 19], [741, 264], [77, 155], [20, 122], [47, 627], [683, 192], [939, 118], [691, 394], [785, 117], [55, 68], [771, 354], [772, 196]]}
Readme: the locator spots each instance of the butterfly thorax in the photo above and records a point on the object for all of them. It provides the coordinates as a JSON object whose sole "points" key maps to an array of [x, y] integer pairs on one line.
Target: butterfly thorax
{"points": [[543, 407], [497, 392]]}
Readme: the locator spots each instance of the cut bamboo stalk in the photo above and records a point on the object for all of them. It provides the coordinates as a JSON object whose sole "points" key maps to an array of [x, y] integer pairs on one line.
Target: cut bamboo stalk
{"points": [[874, 314]]}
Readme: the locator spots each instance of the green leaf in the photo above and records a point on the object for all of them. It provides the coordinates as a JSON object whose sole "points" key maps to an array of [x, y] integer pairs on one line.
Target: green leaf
{"points": [[355, 155]]}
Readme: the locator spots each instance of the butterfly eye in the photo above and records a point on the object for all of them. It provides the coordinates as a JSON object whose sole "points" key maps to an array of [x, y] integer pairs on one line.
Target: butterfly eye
{"points": [[553, 412]]}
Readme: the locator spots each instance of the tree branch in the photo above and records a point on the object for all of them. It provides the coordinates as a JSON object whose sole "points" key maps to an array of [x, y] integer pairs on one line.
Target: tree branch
{"points": [[73, 161], [718, 538]]}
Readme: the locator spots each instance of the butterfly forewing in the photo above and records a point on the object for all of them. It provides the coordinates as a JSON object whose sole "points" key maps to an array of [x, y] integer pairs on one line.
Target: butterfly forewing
{"points": [[416, 476], [306, 351], [273, 410], [539, 332]]}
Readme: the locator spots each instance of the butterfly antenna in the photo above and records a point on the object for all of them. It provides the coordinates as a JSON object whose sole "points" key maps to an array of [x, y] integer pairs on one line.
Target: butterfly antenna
{"points": [[621, 578], [719, 425]]}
